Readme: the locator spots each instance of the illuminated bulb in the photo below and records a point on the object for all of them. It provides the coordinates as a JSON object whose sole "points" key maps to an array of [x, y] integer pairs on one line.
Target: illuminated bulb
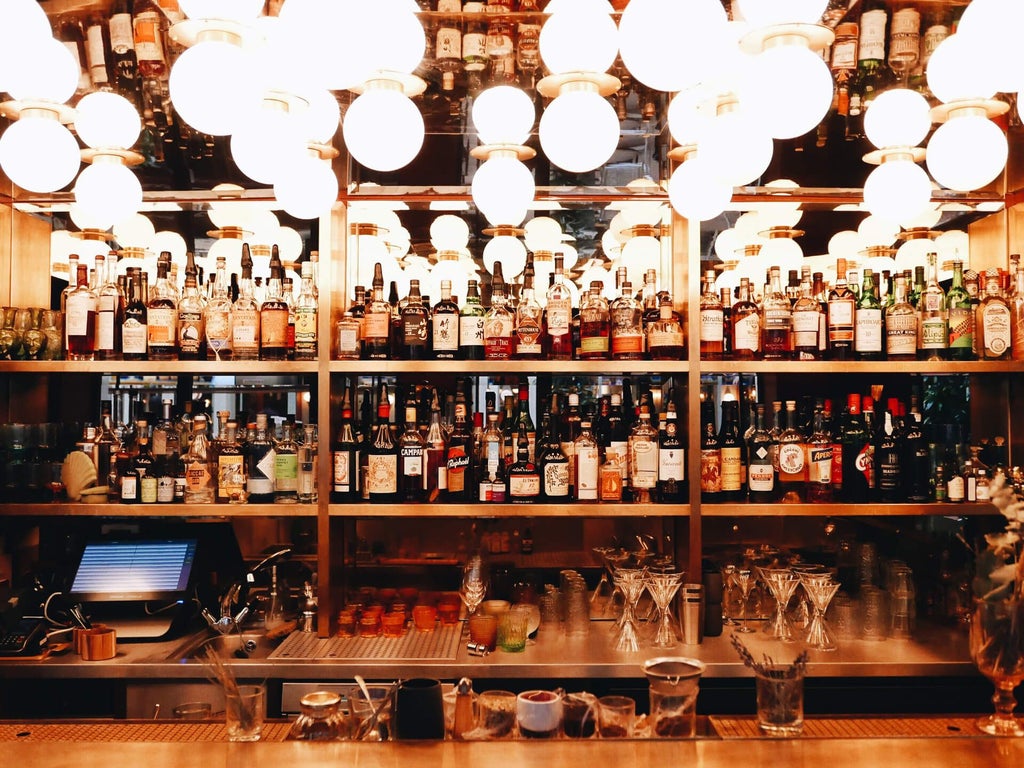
{"points": [[503, 189], [109, 191], [503, 115], [47, 71], [211, 87], [383, 129], [967, 152], [510, 251], [579, 38], [695, 193], [898, 118], [579, 131], [39, 154], [789, 88], [449, 233], [897, 190], [107, 120]]}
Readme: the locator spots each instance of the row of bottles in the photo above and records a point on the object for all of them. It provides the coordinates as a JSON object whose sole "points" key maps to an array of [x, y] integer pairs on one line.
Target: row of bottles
{"points": [[913, 319], [867, 453], [181, 460], [628, 328], [112, 318], [612, 452]]}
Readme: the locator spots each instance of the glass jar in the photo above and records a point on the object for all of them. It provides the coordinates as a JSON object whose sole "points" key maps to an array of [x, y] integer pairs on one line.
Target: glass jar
{"points": [[320, 719]]}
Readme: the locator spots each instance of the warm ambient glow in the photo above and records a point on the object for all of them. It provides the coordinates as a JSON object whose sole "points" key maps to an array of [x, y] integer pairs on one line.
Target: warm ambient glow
{"points": [[503, 115], [108, 191], [953, 73], [211, 86], [763, 13], [510, 251], [308, 189], [234, 10], [449, 233], [898, 118], [579, 130], [39, 154], [736, 147], [268, 144], [695, 193], [897, 190], [45, 72], [789, 87], [503, 189], [107, 120], [967, 152], [383, 129], [579, 37]]}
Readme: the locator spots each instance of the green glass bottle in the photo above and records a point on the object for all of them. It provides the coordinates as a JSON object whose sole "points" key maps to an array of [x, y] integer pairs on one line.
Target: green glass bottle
{"points": [[960, 317]]}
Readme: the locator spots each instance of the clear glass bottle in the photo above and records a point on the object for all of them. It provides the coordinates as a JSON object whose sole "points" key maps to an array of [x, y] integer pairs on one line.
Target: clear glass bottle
{"points": [[901, 325], [110, 313], [587, 462], [993, 321], [933, 331], [807, 324], [191, 317], [377, 321], [490, 459], [777, 320], [245, 314], [444, 325], [382, 455], [499, 322], [1017, 315], [260, 461], [286, 466], [530, 338], [643, 459], [199, 471], [80, 318], [307, 310], [558, 316], [746, 325], [712, 320], [162, 313], [231, 487], [217, 316], [594, 324], [626, 326]]}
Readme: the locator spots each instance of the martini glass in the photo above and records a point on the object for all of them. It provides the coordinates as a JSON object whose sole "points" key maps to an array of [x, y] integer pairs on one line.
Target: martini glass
{"points": [[744, 581], [820, 591], [631, 582], [800, 615], [663, 586], [782, 583]]}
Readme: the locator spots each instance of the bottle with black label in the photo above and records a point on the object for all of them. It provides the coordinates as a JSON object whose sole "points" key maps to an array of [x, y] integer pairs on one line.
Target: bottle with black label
{"points": [[672, 461], [259, 464], [382, 455], [414, 333], [134, 333], [459, 456], [760, 469], [411, 450], [523, 477]]}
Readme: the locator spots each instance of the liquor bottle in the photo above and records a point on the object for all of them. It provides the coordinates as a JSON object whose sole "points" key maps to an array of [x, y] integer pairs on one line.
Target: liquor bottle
{"points": [[444, 325], [523, 418], [650, 303], [871, 69], [490, 460], [345, 457], [134, 334], [857, 460], [730, 446], [286, 466], [199, 472], [148, 34], [245, 314], [382, 455], [888, 457], [558, 316], [109, 312], [500, 46], [672, 488], [414, 336], [916, 461], [508, 430], [626, 326], [904, 43], [901, 325], [807, 324], [68, 30], [231, 488], [411, 448], [594, 324], [746, 325], [643, 459], [553, 464], [80, 318], [819, 461], [710, 456], [528, 60], [665, 335], [459, 456], [777, 321], [395, 322], [993, 321], [529, 330], [217, 317], [499, 322], [274, 317], [377, 321], [841, 314], [867, 335], [162, 314], [933, 331], [760, 471], [306, 314], [523, 476], [448, 44], [434, 456], [259, 464], [124, 63], [712, 320], [471, 325], [587, 460], [143, 459], [1017, 315], [960, 317], [474, 45], [191, 323], [792, 459]]}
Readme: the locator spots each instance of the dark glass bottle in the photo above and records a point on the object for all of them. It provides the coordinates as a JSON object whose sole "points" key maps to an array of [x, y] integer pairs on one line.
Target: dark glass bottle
{"points": [[731, 447], [760, 470], [414, 336], [672, 488], [916, 461], [459, 455], [382, 455], [471, 325], [411, 448], [888, 460], [523, 477], [553, 463], [259, 464], [523, 418], [857, 448], [345, 456], [710, 456], [134, 332], [434, 456]]}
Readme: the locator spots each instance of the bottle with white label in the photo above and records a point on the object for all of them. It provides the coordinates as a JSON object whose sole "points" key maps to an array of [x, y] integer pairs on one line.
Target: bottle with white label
{"points": [[260, 464], [993, 321], [587, 462], [200, 484], [867, 333], [523, 477]]}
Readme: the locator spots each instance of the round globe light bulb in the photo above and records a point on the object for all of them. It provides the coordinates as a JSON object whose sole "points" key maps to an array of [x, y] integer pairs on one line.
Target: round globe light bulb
{"points": [[267, 146], [135, 232], [639, 255], [784, 253], [736, 148], [503, 189], [957, 70], [399, 35], [39, 154], [503, 115], [543, 233], [211, 87], [510, 251], [321, 121], [846, 244], [240, 11], [789, 88], [898, 118], [313, 25], [897, 190], [581, 38], [689, 115], [671, 46], [23, 26], [579, 131], [449, 232], [967, 153], [173, 243], [763, 13], [995, 24], [695, 193], [309, 189], [954, 244], [107, 120], [913, 253], [47, 72], [729, 244], [290, 243], [383, 129], [108, 191], [874, 230]]}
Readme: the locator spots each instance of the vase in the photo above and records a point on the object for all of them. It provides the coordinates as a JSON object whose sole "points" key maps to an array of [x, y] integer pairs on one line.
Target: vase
{"points": [[997, 648]]}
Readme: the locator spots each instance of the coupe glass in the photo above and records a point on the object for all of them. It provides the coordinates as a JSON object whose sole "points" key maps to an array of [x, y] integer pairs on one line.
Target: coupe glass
{"points": [[820, 589], [663, 586], [997, 648], [474, 583], [782, 583]]}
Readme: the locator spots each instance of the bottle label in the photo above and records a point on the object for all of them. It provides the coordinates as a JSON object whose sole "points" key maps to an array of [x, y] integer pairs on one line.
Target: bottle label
{"points": [[732, 469], [456, 467], [121, 39], [245, 329], [610, 480], [761, 477], [129, 488], [197, 476], [133, 337], [872, 35], [95, 53], [865, 464], [163, 326], [165, 489], [259, 486], [594, 344], [377, 326], [996, 329], [148, 41], [230, 475], [528, 337], [711, 471], [671, 464], [414, 331], [382, 473], [559, 314], [77, 315], [556, 480], [523, 486], [671, 339], [341, 477], [498, 337], [844, 54], [471, 331], [218, 330], [569, 449], [286, 472], [587, 473], [274, 328], [305, 327], [933, 333], [840, 320], [190, 332], [805, 329], [627, 342], [445, 332], [819, 468], [412, 461], [449, 6], [747, 333], [961, 328], [955, 489], [267, 464], [644, 469], [837, 465], [449, 43], [901, 335], [792, 460], [868, 330], [712, 325], [348, 341], [474, 50]]}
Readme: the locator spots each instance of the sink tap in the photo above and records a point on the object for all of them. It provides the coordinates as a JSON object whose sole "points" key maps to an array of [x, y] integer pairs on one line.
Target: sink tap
{"points": [[235, 604]]}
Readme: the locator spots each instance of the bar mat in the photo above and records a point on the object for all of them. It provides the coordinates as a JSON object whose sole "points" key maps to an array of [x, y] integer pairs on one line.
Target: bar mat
{"points": [[853, 727], [127, 730], [442, 645]]}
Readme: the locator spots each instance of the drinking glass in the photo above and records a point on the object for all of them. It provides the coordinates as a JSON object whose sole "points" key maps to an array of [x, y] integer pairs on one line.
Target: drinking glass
{"points": [[532, 613], [474, 583], [663, 586], [244, 710], [744, 579], [782, 583], [616, 715], [780, 700], [997, 648], [631, 582], [820, 589]]}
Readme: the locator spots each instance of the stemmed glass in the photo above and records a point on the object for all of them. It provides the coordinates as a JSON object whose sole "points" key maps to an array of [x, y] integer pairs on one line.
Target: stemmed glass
{"points": [[820, 589], [744, 579], [663, 586], [631, 582], [997, 648], [800, 617], [782, 583], [474, 583]]}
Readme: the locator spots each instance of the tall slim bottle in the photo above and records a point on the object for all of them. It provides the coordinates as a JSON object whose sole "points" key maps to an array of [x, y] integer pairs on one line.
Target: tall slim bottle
{"points": [[960, 317], [306, 316], [245, 314], [162, 313], [1017, 316], [471, 325], [712, 320], [217, 316], [730, 446], [760, 470], [710, 456], [191, 318], [499, 321], [558, 316], [867, 335], [993, 321], [933, 330], [80, 318], [274, 318], [777, 321], [345, 457], [134, 332], [200, 477], [110, 313], [842, 309], [382, 455], [377, 321], [459, 456], [411, 450], [259, 464]]}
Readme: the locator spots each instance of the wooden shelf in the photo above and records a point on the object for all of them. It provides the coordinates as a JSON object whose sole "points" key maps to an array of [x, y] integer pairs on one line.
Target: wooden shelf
{"points": [[162, 367], [510, 510], [524, 367], [799, 367], [844, 510], [158, 510]]}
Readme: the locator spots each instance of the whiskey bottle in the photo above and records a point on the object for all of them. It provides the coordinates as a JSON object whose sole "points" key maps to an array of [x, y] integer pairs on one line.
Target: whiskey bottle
{"points": [[490, 460], [746, 325], [377, 321], [411, 448], [414, 334], [162, 314], [109, 313], [306, 316], [444, 325], [199, 472], [274, 317], [777, 321], [499, 321], [382, 455], [553, 465], [558, 316], [842, 310], [888, 460], [80, 317], [134, 333], [867, 334], [523, 477], [665, 335], [730, 446], [643, 459], [993, 321], [471, 325], [712, 320], [529, 331], [626, 326], [259, 464], [807, 324], [191, 317], [230, 467], [901, 325], [760, 470], [1017, 315], [245, 314], [594, 324]]}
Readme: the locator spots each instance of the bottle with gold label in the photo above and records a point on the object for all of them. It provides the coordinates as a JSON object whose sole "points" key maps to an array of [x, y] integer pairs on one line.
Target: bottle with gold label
{"points": [[199, 472], [382, 455], [230, 467], [993, 321], [306, 314], [274, 317]]}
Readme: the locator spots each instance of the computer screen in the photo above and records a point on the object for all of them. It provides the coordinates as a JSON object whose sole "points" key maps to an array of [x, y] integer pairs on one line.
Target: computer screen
{"points": [[134, 570]]}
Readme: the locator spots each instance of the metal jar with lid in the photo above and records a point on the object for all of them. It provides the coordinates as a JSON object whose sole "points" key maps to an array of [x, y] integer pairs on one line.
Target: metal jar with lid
{"points": [[320, 719]]}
